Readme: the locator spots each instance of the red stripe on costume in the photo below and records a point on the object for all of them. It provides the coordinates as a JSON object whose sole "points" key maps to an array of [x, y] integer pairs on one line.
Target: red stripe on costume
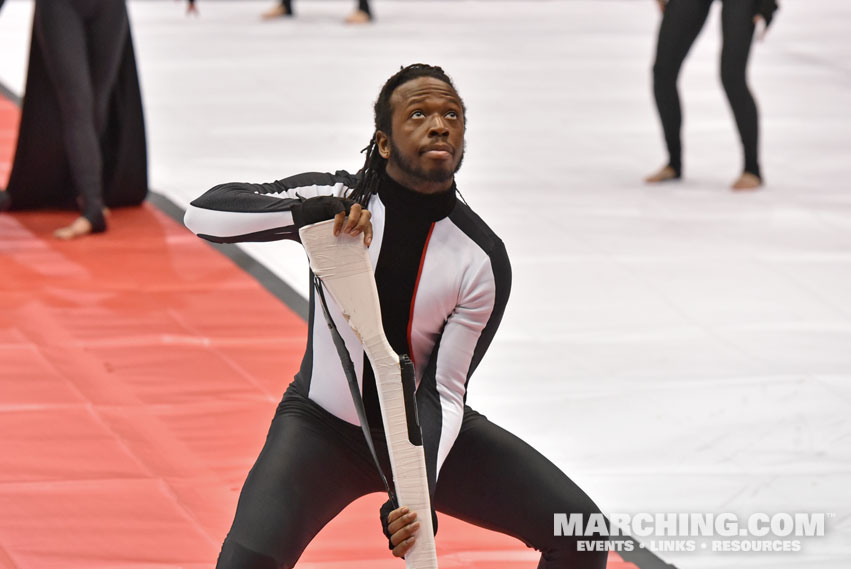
{"points": [[414, 296]]}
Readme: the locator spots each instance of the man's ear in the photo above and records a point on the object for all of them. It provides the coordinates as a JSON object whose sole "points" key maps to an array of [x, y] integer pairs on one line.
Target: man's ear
{"points": [[382, 141]]}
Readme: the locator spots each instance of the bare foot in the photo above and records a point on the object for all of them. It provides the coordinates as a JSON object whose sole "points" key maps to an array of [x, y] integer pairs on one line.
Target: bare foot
{"points": [[358, 17], [78, 228], [747, 181], [278, 11], [665, 174]]}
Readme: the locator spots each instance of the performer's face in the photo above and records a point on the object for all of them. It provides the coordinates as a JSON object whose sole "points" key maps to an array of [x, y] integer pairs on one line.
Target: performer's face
{"points": [[426, 145]]}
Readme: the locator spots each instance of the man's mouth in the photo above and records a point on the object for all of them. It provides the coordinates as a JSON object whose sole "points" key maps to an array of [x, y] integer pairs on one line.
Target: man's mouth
{"points": [[439, 151]]}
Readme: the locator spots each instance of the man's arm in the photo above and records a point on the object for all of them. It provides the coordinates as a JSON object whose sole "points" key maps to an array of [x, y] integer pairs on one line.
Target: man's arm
{"points": [[240, 212], [465, 338]]}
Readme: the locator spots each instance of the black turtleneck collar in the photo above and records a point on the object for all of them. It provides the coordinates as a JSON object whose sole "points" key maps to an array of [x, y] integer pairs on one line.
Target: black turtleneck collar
{"points": [[431, 206]]}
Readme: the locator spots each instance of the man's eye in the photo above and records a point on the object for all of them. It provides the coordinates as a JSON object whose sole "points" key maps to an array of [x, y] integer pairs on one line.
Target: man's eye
{"points": [[417, 115], [452, 115]]}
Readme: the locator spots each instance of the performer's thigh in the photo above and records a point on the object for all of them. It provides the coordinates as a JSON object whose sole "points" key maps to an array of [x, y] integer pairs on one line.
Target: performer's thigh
{"points": [[493, 479], [737, 27], [107, 34], [61, 31], [681, 24], [305, 475]]}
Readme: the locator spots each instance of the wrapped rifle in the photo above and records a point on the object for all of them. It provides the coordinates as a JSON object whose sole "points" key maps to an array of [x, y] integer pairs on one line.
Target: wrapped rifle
{"points": [[341, 267]]}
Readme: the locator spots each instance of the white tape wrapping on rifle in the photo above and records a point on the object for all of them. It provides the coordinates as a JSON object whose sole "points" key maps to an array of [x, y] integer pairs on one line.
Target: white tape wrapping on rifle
{"points": [[342, 263]]}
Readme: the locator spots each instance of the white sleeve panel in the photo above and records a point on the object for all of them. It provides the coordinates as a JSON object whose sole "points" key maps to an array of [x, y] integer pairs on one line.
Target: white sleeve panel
{"points": [[457, 345], [203, 221], [337, 190]]}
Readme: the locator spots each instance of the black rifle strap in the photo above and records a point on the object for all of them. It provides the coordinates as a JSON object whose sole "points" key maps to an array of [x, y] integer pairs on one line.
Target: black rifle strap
{"points": [[354, 388]]}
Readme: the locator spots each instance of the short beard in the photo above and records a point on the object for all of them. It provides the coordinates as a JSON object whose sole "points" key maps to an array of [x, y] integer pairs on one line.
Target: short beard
{"points": [[438, 176]]}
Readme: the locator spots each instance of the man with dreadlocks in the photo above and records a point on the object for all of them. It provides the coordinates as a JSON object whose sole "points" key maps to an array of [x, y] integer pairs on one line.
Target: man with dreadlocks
{"points": [[443, 279]]}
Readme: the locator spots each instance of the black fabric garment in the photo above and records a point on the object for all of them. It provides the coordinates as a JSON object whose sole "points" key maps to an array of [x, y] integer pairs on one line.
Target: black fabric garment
{"points": [[681, 23], [314, 464], [766, 9], [82, 136]]}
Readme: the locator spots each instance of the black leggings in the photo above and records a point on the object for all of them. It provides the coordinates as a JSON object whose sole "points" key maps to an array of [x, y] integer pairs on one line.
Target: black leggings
{"points": [[681, 23], [82, 42], [314, 464]]}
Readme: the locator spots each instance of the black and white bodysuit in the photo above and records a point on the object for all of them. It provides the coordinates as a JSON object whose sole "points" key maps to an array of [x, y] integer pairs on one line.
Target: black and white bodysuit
{"points": [[443, 280]]}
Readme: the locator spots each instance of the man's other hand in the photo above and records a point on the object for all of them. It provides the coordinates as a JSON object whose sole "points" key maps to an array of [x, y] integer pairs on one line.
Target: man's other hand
{"points": [[356, 223], [349, 217]]}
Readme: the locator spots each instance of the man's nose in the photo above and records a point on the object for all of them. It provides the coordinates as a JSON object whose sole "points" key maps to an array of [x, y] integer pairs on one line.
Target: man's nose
{"points": [[438, 126]]}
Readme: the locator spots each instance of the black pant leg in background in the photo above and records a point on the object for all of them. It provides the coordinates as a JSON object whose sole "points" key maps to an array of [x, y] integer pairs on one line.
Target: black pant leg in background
{"points": [[738, 29], [82, 42], [108, 30], [494, 480], [681, 23]]}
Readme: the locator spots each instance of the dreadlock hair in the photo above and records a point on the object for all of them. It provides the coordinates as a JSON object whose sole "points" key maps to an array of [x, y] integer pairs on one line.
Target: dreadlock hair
{"points": [[374, 164]]}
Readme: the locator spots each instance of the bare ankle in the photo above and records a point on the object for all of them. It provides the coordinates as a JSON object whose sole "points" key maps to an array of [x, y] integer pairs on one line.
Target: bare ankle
{"points": [[747, 181], [358, 17], [78, 228], [666, 173]]}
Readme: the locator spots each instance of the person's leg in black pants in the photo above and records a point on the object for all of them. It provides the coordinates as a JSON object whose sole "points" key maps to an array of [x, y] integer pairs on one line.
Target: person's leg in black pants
{"points": [[494, 480], [108, 30], [82, 42], [738, 29], [681, 24], [311, 467]]}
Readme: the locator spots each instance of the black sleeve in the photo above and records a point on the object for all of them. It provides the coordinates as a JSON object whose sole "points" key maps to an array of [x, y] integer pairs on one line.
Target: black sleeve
{"points": [[241, 211]]}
